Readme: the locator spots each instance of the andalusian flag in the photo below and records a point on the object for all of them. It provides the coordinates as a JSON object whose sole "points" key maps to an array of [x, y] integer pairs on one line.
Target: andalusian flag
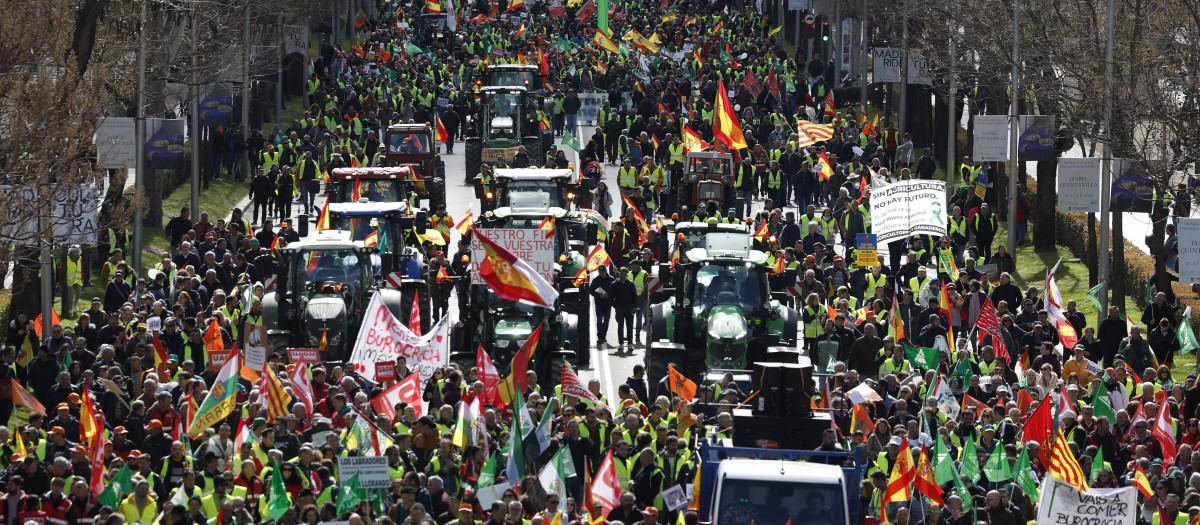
{"points": [[571, 141], [725, 123], [222, 398], [513, 278], [604, 42]]}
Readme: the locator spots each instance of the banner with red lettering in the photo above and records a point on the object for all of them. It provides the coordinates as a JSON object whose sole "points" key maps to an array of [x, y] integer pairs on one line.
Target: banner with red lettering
{"points": [[384, 338], [408, 390]]}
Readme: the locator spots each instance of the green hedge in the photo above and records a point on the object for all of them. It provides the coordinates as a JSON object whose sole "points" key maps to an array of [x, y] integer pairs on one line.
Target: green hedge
{"points": [[1071, 230]]}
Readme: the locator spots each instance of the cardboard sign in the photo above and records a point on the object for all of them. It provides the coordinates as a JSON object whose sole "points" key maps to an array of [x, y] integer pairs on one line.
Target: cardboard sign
{"points": [[991, 272], [304, 355], [385, 371], [675, 498], [866, 250], [255, 354], [217, 359], [1063, 503], [372, 471]]}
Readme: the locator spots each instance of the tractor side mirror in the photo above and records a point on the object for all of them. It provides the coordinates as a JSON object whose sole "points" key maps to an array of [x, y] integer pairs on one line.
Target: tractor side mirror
{"points": [[593, 233]]}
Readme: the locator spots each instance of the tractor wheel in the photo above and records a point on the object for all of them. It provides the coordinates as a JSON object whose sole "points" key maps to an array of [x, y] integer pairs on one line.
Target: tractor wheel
{"points": [[472, 158], [658, 357], [419, 288], [533, 147], [552, 375]]}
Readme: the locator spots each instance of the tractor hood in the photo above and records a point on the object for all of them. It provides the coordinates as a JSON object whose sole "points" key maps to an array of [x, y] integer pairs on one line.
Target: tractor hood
{"points": [[325, 313], [727, 322], [513, 329]]}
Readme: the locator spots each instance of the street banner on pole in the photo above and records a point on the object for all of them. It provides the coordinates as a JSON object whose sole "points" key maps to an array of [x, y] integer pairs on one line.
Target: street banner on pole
{"points": [[1079, 185], [991, 138], [1189, 250]]}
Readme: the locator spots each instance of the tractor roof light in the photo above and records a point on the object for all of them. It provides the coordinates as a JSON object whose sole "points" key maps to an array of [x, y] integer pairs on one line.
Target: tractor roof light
{"points": [[490, 195], [679, 237], [466, 258]]}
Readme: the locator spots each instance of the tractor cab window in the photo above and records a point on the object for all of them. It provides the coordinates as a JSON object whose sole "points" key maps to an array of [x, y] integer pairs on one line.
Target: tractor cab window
{"points": [[381, 190], [744, 501], [533, 195], [329, 271], [512, 78], [727, 285], [360, 229], [408, 143], [505, 105], [700, 165]]}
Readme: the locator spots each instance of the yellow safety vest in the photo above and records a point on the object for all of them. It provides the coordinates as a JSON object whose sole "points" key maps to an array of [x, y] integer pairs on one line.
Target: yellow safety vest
{"points": [[269, 160], [145, 514], [812, 329], [676, 151], [959, 226], [74, 272], [873, 282], [639, 282], [626, 177], [828, 228], [916, 285], [655, 175], [773, 179]]}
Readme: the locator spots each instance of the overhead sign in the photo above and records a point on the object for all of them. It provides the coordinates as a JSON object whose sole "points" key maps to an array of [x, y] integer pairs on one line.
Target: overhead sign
{"points": [[908, 207], [164, 143], [1131, 192], [1079, 185], [372, 471], [887, 62], [1189, 250], [1062, 503], [529, 244], [384, 338], [991, 139], [114, 140]]}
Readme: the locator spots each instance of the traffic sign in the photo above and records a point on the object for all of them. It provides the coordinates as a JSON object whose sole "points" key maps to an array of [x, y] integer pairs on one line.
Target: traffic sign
{"points": [[810, 19], [809, 32]]}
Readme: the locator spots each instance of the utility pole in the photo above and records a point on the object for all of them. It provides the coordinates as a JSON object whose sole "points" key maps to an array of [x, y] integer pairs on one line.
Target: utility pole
{"points": [[1106, 172], [951, 124], [278, 80], [248, 52], [903, 71], [837, 43], [862, 96], [195, 120], [1012, 138], [139, 177]]}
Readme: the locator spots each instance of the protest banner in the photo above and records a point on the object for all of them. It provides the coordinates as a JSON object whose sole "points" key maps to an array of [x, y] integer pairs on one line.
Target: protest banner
{"points": [[1062, 503], [384, 338], [908, 207], [372, 471]]}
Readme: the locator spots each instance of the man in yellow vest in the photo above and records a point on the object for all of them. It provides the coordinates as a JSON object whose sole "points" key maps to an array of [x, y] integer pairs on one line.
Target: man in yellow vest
{"points": [[74, 288], [627, 177], [638, 276], [140, 507]]}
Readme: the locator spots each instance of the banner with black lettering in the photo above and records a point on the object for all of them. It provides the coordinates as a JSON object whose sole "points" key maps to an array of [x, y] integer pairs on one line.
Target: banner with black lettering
{"points": [[908, 207], [1062, 504]]}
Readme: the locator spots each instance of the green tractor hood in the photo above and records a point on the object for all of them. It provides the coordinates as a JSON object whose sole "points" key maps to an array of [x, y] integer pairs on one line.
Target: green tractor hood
{"points": [[728, 337]]}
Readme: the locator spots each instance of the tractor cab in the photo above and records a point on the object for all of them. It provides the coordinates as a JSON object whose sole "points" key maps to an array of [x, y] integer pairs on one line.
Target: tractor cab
{"points": [[385, 227], [320, 289], [708, 176], [515, 75], [534, 189]]}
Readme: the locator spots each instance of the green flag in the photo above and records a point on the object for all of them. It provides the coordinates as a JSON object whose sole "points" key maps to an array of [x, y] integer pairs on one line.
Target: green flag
{"points": [[1093, 295], [117, 487], [997, 468], [1149, 290], [944, 470], [487, 476], [570, 141], [350, 495], [970, 461], [516, 467], [1185, 336], [66, 363], [963, 370], [602, 15], [922, 357], [412, 49], [563, 45], [624, 49], [281, 501], [1097, 464], [968, 501], [1102, 404], [1025, 477]]}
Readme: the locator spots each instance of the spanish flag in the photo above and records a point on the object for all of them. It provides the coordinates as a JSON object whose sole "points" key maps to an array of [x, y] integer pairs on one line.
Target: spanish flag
{"points": [[323, 219], [442, 134], [434, 6], [692, 141], [725, 122], [515, 4], [465, 224], [372, 239], [543, 65], [548, 226], [637, 40], [824, 169], [604, 42], [513, 278]]}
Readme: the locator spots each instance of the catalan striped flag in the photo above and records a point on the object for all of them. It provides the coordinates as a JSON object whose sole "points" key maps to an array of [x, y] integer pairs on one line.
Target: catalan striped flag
{"points": [[1064, 466], [277, 397]]}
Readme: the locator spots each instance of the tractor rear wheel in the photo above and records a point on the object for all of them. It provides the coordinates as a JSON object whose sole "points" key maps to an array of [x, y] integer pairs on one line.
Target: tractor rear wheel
{"points": [[472, 158]]}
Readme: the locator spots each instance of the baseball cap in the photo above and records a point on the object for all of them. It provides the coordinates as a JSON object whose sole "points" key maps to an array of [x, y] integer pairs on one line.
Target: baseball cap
{"points": [[58, 430], [154, 423], [651, 511]]}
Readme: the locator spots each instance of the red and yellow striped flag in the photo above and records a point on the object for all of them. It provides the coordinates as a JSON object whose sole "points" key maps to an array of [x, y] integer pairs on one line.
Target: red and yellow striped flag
{"points": [[1064, 466], [277, 397]]}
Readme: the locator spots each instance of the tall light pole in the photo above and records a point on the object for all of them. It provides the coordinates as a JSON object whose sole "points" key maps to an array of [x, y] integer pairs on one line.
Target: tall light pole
{"points": [[278, 81], [248, 53], [1106, 172], [903, 71], [951, 123], [862, 95], [139, 177], [195, 121], [1012, 138]]}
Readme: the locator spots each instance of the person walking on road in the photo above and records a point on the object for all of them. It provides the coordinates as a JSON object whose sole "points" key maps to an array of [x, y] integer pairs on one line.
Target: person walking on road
{"points": [[624, 299], [601, 289]]}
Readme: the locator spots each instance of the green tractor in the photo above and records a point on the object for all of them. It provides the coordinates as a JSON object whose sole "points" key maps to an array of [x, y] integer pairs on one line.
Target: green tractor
{"points": [[507, 118], [502, 326], [721, 314], [321, 287]]}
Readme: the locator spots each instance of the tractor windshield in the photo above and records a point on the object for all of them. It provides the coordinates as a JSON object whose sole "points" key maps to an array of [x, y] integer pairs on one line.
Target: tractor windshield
{"points": [[374, 190], [408, 143], [700, 165], [504, 109], [512, 78], [533, 195], [360, 229], [738, 285], [331, 270]]}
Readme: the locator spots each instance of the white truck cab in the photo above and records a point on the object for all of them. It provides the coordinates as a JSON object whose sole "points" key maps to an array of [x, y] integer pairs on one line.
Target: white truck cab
{"points": [[773, 491]]}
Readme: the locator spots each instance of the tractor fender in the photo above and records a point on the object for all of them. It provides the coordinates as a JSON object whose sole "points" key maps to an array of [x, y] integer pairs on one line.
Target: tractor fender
{"points": [[662, 321], [270, 311], [659, 355]]}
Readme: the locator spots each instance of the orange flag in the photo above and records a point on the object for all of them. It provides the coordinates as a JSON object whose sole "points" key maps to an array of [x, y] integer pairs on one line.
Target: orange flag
{"points": [[681, 385]]}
